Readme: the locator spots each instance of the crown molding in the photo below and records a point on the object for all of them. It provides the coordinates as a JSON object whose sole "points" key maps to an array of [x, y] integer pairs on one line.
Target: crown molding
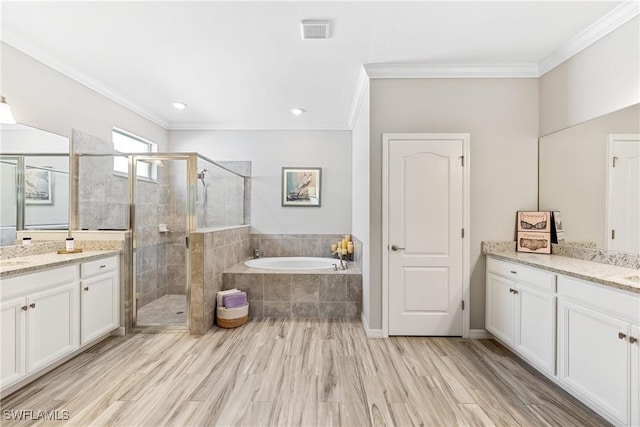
{"points": [[358, 96], [596, 31], [450, 71], [179, 126], [92, 84]]}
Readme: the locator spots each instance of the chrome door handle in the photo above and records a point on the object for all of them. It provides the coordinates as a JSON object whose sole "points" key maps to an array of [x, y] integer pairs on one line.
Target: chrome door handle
{"points": [[396, 248]]}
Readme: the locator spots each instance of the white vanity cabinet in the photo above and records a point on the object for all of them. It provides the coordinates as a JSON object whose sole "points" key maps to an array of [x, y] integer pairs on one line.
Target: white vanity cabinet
{"points": [[521, 311], [40, 314], [598, 341], [99, 300]]}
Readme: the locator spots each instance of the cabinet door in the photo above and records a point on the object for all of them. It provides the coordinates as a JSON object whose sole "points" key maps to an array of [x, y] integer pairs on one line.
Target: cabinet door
{"points": [[536, 335], [594, 359], [52, 325], [98, 306], [12, 340], [500, 311], [635, 375]]}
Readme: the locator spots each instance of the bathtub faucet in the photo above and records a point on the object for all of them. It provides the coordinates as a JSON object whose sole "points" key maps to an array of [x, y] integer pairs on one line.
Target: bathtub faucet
{"points": [[256, 253], [344, 264]]}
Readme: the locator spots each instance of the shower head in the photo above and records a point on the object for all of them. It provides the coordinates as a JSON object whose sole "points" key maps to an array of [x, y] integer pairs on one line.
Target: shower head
{"points": [[200, 175]]}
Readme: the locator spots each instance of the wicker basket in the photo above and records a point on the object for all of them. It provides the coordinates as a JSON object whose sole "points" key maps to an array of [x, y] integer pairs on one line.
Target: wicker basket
{"points": [[232, 317], [232, 323]]}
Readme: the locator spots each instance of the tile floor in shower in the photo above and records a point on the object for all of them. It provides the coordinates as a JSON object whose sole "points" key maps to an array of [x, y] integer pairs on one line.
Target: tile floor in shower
{"points": [[168, 310]]}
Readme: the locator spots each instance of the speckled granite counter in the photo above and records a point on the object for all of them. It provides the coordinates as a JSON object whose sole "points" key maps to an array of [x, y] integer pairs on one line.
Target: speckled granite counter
{"points": [[26, 264], [609, 275]]}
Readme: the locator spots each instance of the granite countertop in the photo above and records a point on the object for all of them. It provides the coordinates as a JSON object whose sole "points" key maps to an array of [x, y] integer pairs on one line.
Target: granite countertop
{"points": [[27, 264], [604, 274]]}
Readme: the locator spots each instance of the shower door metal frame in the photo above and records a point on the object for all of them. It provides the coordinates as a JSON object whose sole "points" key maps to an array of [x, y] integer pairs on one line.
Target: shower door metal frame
{"points": [[191, 159]]}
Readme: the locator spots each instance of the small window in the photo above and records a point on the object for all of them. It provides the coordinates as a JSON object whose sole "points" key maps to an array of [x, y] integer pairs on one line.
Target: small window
{"points": [[125, 142]]}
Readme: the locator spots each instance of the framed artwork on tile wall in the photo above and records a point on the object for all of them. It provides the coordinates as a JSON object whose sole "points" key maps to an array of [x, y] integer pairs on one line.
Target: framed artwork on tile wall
{"points": [[301, 186]]}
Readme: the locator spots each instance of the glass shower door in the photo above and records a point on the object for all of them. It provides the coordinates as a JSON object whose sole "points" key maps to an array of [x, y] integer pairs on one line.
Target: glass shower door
{"points": [[161, 227]]}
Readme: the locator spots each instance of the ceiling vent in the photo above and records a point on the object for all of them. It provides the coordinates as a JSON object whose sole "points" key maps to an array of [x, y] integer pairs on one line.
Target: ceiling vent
{"points": [[313, 30]]}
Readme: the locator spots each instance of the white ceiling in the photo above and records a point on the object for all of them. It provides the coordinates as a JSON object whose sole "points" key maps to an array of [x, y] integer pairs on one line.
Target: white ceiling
{"points": [[243, 65]]}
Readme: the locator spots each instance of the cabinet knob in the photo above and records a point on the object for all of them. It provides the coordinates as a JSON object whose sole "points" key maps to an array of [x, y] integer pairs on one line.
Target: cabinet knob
{"points": [[633, 340], [86, 288], [622, 335], [515, 292], [513, 272], [24, 307], [32, 305], [102, 266]]}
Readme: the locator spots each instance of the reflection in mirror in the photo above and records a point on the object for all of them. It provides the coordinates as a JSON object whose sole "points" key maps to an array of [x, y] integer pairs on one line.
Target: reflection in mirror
{"points": [[577, 178], [42, 159]]}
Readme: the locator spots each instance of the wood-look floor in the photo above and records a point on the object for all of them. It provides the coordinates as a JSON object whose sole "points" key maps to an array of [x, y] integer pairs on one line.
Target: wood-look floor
{"points": [[297, 372]]}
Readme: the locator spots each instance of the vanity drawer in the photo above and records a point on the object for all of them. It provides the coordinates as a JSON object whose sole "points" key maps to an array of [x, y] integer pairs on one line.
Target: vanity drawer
{"points": [[98, 266], [534, 277], [615, 302]]}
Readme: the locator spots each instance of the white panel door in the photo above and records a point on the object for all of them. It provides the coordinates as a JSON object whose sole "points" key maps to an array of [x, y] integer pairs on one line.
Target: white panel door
{"points": [[536, 323], [12, 340], [624, 193], [53, 325], [594, 358], [425, 215], [98, 306], [634, 341], [500, 317]]}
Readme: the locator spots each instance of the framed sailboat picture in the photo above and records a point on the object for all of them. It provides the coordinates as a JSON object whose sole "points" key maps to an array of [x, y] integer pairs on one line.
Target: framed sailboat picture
{"points": [[301, 186]]}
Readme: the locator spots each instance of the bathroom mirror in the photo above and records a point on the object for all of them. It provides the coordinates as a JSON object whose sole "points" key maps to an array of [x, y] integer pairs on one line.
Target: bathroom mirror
{"points": [[577, 178], [43, 159]]}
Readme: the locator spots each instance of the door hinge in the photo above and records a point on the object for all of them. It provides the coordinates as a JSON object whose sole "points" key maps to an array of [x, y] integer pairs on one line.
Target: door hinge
{"points": [[462, 233], [461, 160], [613, 234], [186, 242], [463, 304], [615, 159]]}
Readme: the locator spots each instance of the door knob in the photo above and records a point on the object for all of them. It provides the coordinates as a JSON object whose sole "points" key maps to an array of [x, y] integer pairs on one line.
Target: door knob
{"points": [[396, 248]]}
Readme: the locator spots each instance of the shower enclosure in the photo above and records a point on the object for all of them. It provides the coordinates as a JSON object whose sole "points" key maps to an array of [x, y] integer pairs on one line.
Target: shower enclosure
{"points": [[161, 199]]}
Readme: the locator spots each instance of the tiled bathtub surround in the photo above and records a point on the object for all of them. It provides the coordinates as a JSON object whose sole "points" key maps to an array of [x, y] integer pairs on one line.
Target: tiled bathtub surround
{"points": [[212, 251], [281, 293], [312, 245], [602, 256]]}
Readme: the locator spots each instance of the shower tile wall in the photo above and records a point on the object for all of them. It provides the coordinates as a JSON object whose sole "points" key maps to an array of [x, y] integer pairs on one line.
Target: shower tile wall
{"points": [[226, 201]]}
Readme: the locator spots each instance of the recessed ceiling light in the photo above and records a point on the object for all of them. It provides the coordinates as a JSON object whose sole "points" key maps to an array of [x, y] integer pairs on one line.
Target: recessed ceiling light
{"points": [[179, 105], [297, 111]]}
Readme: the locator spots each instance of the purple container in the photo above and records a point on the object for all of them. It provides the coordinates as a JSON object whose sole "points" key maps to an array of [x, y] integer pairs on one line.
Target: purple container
{"points": [[235, 300]]}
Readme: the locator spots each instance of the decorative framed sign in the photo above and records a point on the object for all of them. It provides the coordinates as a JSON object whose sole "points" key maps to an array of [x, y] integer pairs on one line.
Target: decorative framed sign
{"points": [[301, 186], [38, 187], [534, 232]]}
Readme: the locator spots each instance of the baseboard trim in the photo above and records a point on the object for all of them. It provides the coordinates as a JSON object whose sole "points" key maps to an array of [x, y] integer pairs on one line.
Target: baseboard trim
{"points": [[371, 333], [119, 332], [479, 334]]}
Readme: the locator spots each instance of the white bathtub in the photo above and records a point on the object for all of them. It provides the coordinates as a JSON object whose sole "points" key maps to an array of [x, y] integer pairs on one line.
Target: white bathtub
{"points": [[293, 263]]}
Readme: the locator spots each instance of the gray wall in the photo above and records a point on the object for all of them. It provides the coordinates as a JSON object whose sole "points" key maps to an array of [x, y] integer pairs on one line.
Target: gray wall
{"points": [[268, 152], [46, 99], [603, 78], [502, 117]]}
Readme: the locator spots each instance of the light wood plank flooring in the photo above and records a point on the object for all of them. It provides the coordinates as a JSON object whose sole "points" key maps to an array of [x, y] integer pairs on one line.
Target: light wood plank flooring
{"points": [[298, 372]]}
